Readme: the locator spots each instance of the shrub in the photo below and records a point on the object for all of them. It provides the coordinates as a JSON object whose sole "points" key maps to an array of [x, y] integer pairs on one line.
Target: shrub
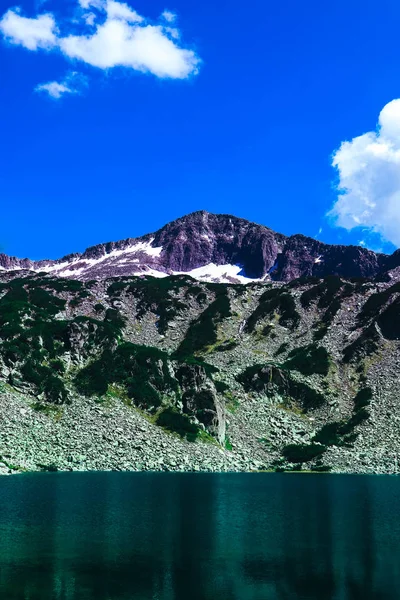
{"points": [[308, 398], [321, 468], [203, 331], [60, 285], [270, 380], [172, 420], [115, 318], [57, 365], [40, 298], [342, 433], [375, 303], [221, 386], [259, 377], [201, 298], [363, 398], [54, 390], [366, 344], [304, 280], [309, 360], [155, 295], [45, 381], [275, 300], [358, 418], [143, 370], [93, 379], [324, 292], [282, 349], [300, 453], [327, 318], [329, 434], [117, 287], [227, 345]]}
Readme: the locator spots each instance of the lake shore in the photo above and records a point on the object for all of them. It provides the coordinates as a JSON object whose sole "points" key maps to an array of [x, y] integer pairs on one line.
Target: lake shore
{"points": [[91, 436]]}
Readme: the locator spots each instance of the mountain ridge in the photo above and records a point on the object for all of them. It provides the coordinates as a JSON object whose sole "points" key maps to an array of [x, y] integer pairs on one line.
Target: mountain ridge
{"points": [[210, 242]]}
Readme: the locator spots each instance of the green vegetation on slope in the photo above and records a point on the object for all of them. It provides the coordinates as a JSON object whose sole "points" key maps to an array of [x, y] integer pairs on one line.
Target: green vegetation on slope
{"points": [[203, 332], [143, 370], [328, 295], [33, 337], [272, 380], [309, 360], [154, 295], [275, 301], [336, 433]]}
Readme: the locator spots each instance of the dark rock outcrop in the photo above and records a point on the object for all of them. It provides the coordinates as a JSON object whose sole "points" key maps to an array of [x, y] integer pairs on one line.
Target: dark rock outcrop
{"points": [[200, 399], [202, 238], [304, 256]]}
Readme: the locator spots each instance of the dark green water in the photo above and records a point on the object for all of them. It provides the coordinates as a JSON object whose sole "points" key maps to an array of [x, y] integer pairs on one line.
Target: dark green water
{"points": [[114, 536]]}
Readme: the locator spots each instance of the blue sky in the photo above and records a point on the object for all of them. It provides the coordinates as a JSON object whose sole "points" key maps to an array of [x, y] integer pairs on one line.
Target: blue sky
{"points": [[241, 114]]}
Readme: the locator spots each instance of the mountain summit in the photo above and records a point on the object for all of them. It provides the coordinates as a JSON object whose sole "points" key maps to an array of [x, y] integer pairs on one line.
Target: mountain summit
{"points": [[215, 248]]}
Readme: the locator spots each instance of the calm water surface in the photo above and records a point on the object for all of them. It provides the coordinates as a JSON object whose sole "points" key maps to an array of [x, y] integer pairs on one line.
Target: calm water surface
{"points": [[114, 536]]}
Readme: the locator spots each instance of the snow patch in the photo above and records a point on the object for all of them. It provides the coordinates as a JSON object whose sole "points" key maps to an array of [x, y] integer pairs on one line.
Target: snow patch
{"points": [[71, 272], [66, 268], [153, 273], [51, 268], [205, 236], [145, 247], [218, 273]]}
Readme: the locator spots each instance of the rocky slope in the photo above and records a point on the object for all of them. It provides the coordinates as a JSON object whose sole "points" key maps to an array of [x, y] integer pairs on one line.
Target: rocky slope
{"points": [[219, 248], [177, 374]]}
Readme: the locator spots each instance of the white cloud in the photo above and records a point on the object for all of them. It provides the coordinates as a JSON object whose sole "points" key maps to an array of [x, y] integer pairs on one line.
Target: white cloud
{"points": [[318, 233], [173, 32], [118, 10], [146, 49], [169, 16], [89, 18], [73, 83], [40, 32], [85, 4], [54, 89], [122, 38], [369, 178]]}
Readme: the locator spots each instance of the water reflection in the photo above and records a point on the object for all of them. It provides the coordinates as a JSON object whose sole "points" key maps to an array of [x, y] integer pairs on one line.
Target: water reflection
{"points": [[120, 536]]}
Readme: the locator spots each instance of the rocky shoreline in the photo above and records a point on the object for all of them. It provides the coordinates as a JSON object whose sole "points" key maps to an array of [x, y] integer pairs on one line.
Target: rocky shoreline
{"points": [[110, 436], [87, 436]]}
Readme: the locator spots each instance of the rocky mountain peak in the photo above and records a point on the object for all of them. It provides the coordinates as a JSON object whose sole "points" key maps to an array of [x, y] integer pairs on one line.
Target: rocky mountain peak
{"points": [[203, 238], [216, 248]]}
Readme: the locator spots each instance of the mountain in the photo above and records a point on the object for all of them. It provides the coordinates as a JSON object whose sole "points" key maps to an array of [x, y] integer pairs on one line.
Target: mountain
{"points": [[297, 370], [134, 373], [215, 248]]}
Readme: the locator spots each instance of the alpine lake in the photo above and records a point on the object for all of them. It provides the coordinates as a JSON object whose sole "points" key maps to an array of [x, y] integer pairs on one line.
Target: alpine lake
{"points": [[167, 536]]}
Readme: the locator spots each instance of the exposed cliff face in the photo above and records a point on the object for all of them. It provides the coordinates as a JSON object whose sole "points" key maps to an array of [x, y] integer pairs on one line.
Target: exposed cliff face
{"points": [[197, 375], [216, 248], [304, 257], [202, 238]]}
